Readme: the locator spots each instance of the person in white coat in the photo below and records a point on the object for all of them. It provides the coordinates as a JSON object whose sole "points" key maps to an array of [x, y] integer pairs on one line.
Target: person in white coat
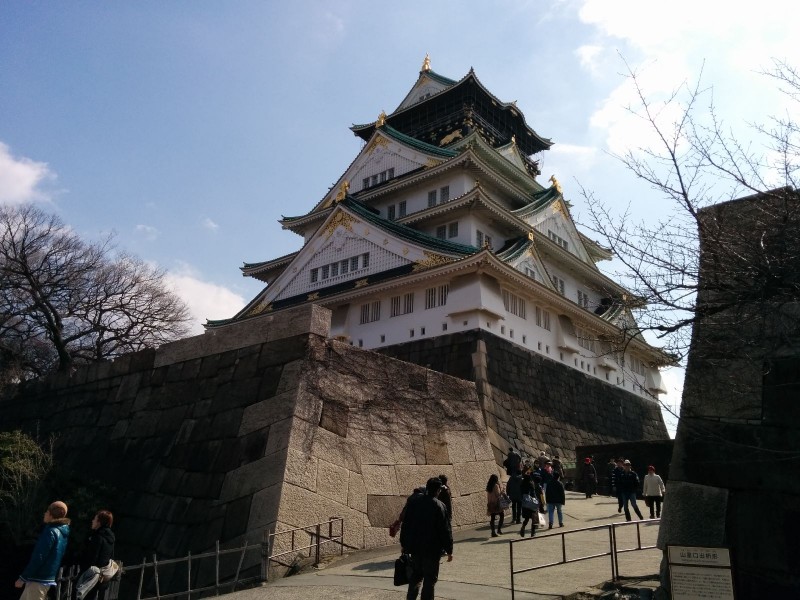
{"points": [[653, 490]]}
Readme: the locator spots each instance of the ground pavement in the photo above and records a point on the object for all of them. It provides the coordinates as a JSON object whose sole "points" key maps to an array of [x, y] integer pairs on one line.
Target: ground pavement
{"points": [[480, 566]]}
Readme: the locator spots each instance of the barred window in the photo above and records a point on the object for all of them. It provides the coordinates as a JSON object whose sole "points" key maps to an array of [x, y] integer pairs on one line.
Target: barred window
{"points": [[431, 198], [558, 283], [444, 194], [514, 304], [452, 230], [334, 269], [345, 266], [365, 260], [354, 263], [583, 299], [314, 275], [585, 339], [441, 232], [390, 213], [402, 305], [326, 271], [542, 318], [371, 312], [402, 209]]}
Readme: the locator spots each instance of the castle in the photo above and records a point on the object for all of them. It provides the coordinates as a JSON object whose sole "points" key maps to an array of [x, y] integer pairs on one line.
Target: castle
{"points": [[439, 226]]}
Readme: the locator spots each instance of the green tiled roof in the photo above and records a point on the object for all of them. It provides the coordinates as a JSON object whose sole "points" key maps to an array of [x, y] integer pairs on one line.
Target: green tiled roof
{"points": [[418, 144], [538, 201], [514, 249], [441, 78], [407, 233]]}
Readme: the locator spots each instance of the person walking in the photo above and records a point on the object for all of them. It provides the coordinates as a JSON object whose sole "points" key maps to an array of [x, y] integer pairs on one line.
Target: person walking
{"points": [[610, 476], [589, 477], [629, 484], [493, 508], [556, 498], [512, 462], [446, 498], [40, 573], [425, 535], [514, 492], [531, 486], [557, 466], [653, 490], [616, 477]]}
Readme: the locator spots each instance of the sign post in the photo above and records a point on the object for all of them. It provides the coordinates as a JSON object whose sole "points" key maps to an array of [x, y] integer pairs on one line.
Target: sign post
{"points": [[700, 572]]}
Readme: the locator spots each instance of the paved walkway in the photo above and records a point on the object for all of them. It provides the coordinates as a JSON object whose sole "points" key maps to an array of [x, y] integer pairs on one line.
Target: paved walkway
{"points": [[480, 566]]}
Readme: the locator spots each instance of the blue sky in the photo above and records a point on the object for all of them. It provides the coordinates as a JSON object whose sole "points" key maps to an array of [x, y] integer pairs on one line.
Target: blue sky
{"points": [[189, 128]]}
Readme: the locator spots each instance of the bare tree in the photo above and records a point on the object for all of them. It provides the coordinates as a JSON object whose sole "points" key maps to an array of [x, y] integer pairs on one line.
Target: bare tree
{"points": [[698, 162], [63, 300]]}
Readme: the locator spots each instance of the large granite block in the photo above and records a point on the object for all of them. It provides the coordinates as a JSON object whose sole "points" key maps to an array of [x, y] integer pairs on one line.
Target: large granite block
{"points": [[380, 480], [376, 448], [253, 477], [472, 477], [266, 412], [332, 481], [336, 449], [382, 511], [301, 469], [356, 492]]}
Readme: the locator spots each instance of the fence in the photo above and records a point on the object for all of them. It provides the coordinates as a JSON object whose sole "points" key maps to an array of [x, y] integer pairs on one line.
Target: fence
{"points": [[188, 568], [612, 552]]}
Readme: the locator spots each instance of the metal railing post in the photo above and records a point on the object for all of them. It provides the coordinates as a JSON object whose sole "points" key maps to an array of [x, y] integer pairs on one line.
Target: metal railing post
{"points": [[612, 548], [265, 555], [511, 562], [316, 558], [141, 578], [189, 577], [155, 571], [58, 582], [216, 574]]}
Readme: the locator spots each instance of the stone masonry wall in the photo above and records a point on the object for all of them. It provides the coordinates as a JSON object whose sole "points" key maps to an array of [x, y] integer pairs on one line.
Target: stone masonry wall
{"points": [[209, 440], [536, 403]]}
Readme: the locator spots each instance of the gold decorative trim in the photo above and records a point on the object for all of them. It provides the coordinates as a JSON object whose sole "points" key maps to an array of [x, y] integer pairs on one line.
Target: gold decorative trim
{"points": [[377, 141], [432, 162], [381, 119], [430, 260], [361, 283], [313, 296], [426, 64], [556, 184], [405, 250], [342, 191], [340, 219], [530, 235], [385, 241], [559, 207], [260, 308]]}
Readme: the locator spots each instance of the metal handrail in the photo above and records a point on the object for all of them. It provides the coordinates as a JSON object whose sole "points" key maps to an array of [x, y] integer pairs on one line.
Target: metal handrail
{"points": [[613, 552], [317, 533]]}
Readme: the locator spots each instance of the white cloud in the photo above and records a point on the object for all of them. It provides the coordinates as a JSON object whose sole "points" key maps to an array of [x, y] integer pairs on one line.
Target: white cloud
{"points": [[675, 41], [21, 178], [588, 56], [149, 232], [206, 300], [210, 225]]}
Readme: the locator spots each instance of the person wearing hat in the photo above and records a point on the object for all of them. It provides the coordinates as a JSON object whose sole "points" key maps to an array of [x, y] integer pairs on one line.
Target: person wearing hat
{"points": [[628, 485], [512, 462], [589, 477], [653, 490], [616, 476]]}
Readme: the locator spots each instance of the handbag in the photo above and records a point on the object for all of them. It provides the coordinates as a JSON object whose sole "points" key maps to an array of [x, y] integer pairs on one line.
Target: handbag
{"points": [[542, 522], [402, 570], [505, 501], [108, 572], [529, 502]]}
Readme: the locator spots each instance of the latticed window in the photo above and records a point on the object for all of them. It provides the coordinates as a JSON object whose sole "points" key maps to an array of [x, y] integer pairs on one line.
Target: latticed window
{"points": [[558, 283], [354, 263], [401, 209], [583, 299], [314, 275], [371, 312], [542, 318], [444, 194], [431, 198], [391, 213], [514, 304], [402, 305], [585, 339], [452, 230], [441, 232], [365, 260]]}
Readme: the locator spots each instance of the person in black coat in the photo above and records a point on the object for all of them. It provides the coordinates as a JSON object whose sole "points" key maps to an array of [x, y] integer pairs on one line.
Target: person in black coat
{"points": [[426, 534], [556, 498], [99, 549], [531, 486]]}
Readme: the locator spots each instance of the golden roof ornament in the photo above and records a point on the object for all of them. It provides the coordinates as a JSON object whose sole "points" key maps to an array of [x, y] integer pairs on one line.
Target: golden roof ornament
{"points": [[381, 119], [514, 139], [555, 183], [426, 64], [343, 191]]}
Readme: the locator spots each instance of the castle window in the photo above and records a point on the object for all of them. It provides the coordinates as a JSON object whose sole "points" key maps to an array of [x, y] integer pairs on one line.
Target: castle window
{"points": [[365, 183], [558, 283], [354, 263], [314, 275], [374, 180], [514, 304], [479, 239], [365, 260], [585, 339], [390, 213], [558, 240], [431, 198], [444, 194], [383, 338], [390, 173], [402, 209], [530, 273], [436, 296], [371, 312], [345, 266], [441, 232], [452, 230], [411, 333], [382, 176], [402, 305], [444, 326], [483, 239], [503, 329], [422, 331], [326, 271], [543, 318], [334, 269], [583, 299]]}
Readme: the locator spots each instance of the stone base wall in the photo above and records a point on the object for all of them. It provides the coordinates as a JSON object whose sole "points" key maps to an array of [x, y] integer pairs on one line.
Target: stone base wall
{"points": [[209, 439], [536, 403]]}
